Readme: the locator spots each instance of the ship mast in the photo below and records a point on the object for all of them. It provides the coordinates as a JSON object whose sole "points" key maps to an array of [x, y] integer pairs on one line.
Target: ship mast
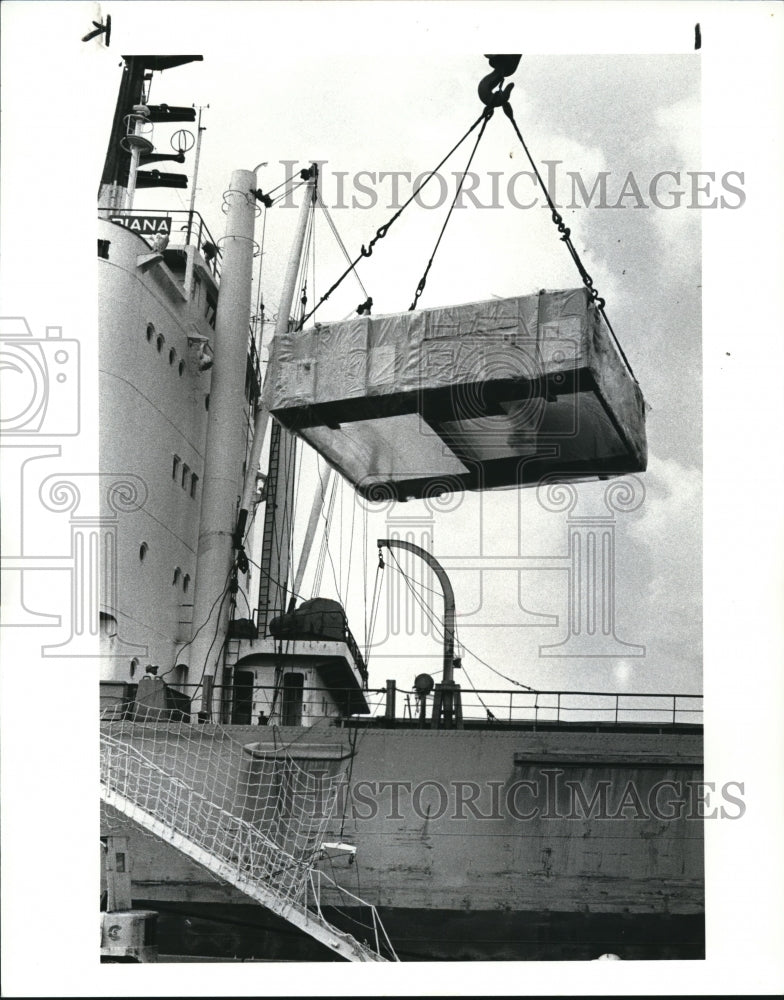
{"points": [[225, 435], [222, 530], [274, 566]]}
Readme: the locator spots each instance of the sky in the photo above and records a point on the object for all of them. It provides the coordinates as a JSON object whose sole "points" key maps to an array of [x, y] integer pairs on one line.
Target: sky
{"points": [[692, 294], [616, 116], [365, 111]]}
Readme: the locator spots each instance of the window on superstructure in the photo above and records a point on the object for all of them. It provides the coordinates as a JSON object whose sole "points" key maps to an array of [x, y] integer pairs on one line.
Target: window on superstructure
{"points": [[160, 342], [185, 471], [186, 582], [181, 368], [210, 309], [172, 356], [150, 331], [207, 402], [177, 575], [143, 550], [175, 465], [103, 248], [134, 665], [107, 624], [291, 707], [194, 483]]}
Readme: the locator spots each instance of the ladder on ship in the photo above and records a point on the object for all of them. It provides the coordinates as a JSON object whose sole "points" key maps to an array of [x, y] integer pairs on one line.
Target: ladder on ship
{"points": [[274, 535], [229, 846]]}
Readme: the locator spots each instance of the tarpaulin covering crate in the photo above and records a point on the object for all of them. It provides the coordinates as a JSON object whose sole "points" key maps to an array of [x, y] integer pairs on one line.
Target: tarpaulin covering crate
{"points": [[478, 396]]}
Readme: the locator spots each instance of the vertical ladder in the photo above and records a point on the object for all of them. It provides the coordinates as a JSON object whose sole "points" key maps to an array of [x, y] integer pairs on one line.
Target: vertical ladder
{"points": [[268, 534], [276, 536]]}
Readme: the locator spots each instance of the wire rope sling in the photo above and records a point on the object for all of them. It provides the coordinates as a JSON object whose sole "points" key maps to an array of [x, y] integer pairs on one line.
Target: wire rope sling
{"points": [[506, 392]]}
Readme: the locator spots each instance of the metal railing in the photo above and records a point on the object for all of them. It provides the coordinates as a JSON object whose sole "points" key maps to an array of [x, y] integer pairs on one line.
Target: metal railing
{"points": [[618, 707], [347, 636], [243, 705], [186, 229], [381, 942]]}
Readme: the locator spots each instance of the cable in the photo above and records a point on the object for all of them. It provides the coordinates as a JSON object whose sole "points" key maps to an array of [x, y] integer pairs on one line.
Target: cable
{"points": [[431, 615], [209, 651], [566, 238], [287, 193], [423, 280], [288, 180], [340, 243], [319, 570], [383, 230], [433, 619], [350, 547], [241, 590], [511, 680], [374, 605], [481, 702], [203, 624], [269, 576]]}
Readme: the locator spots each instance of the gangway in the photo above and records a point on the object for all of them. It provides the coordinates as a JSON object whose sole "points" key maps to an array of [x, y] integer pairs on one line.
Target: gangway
{"points": [[276, 869]]}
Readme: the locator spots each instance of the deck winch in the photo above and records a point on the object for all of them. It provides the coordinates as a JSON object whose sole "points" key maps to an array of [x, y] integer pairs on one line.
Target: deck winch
{"points": [[501, 393]]}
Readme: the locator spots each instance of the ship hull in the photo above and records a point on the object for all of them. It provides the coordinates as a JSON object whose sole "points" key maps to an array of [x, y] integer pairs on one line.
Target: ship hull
{"points": [[248, 933], [476, 844]]}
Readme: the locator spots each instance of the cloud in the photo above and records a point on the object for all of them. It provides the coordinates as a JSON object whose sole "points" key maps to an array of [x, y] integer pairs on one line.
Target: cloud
{"points": [[679, 131], [669, 530]]}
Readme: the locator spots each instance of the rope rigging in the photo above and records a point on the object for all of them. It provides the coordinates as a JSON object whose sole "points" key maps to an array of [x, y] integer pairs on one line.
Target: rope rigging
{"points": [[341, 244], [438, 625], [382, 231], [493, 94]]}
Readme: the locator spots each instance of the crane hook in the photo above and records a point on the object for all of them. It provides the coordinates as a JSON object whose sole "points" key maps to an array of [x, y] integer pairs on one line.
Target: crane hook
{"points": [[503, 66]]}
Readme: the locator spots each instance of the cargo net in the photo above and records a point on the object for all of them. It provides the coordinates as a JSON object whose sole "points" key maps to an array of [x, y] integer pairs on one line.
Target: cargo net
{"points": [[253, 807]]}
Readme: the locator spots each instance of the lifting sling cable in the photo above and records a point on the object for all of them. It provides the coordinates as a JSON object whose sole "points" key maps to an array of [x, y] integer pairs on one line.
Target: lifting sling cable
{"points": [[423, 280], [383, 230], [566, 238]]}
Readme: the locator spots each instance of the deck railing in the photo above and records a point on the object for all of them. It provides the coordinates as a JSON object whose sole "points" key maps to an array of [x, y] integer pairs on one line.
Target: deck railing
{"points": [[495, 707], [186, 229]]}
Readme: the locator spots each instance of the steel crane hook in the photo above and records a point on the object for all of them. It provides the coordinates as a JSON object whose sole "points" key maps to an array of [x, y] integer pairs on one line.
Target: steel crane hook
{"points": [[503, 66]]}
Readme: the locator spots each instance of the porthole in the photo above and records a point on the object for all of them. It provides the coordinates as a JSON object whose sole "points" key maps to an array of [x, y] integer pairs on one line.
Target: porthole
{"points": [[143, 549]]}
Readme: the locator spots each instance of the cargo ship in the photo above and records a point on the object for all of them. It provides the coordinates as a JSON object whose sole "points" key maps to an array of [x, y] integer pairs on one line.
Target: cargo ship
{"points": [[263, 796]]}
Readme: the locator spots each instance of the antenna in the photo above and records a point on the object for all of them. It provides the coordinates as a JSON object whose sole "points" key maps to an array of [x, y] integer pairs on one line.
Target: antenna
{"points": [[199, 129]]}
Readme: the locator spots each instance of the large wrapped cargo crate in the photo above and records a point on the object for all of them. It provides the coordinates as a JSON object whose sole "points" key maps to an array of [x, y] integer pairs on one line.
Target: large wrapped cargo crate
{"points": [[479, 396]]}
